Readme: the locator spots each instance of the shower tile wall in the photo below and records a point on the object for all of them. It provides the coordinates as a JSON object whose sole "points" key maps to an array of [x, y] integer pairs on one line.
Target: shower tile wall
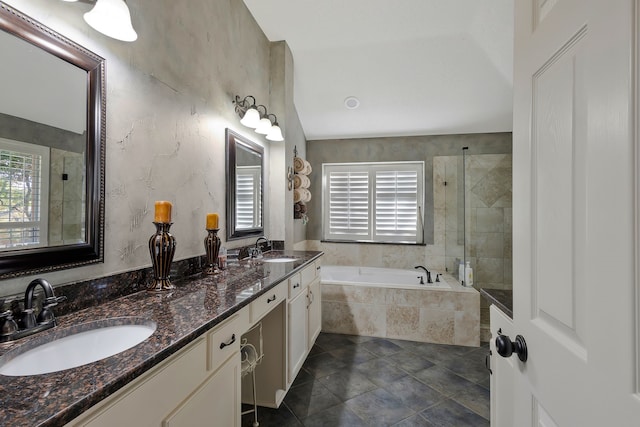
{"points": [[488, 219], [489, 201], [487, 222], [66, 197]]}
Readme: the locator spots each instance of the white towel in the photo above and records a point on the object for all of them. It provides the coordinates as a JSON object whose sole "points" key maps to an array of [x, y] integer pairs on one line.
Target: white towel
{"points": [[301, 181], [307, 168], [298, 164], [297, 195], [305, 195]]}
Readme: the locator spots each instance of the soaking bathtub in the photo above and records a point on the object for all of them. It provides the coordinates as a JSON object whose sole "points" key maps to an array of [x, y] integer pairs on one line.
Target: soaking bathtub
{"points": [[391, 303], [379, 277]]}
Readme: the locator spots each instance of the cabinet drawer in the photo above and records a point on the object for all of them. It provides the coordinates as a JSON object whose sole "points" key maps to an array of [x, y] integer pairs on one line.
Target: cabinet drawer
{"points": [[224, 340], [268, 301], [309, 273], [296, 285]]}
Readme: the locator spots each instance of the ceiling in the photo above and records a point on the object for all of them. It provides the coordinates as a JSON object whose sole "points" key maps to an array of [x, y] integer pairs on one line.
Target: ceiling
{"points": [[418, 67]]}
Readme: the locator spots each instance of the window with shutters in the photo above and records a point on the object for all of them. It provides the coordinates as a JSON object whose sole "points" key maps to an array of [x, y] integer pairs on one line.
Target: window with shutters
{"points": [[373, 202], [248, 197], [24, 194]]}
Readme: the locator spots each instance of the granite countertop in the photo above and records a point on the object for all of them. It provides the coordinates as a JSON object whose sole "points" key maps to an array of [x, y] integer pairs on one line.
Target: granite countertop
{"points": [[196, 305], [502, 298]]}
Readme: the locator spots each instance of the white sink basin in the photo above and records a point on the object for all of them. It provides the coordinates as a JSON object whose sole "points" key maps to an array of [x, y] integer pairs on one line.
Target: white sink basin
{"points": [[81, 345], [279, 259]]}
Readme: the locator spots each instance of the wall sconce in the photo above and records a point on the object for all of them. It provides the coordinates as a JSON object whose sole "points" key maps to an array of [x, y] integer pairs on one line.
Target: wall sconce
{"points": [[112, 18], [250, 116]]}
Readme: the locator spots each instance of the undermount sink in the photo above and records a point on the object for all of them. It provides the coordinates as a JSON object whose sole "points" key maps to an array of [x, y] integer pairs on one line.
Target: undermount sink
{"points": [[279, 259], [76, 346]]}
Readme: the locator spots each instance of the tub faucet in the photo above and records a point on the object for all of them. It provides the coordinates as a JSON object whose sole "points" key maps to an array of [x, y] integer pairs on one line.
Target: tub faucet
{"points": [[427, 271]]}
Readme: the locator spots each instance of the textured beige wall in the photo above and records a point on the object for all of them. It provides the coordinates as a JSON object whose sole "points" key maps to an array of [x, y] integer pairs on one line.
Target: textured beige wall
{"points": [[168, 104]]}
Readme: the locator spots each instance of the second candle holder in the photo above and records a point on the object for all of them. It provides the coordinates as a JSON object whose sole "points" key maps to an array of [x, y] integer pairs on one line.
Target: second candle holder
{"points": [[162, 246], [212, 248]]}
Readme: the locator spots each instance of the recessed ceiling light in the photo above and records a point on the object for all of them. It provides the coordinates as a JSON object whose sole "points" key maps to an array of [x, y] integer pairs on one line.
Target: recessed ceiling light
{"points": [[351, 102]]}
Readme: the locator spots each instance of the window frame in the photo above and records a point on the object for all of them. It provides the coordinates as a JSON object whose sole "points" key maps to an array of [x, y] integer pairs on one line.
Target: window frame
{"points": [[372, 235], [43, 210]]}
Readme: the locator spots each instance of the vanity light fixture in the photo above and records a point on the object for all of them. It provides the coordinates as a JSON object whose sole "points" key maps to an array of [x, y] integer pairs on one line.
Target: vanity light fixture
{"points": [[111, 18], [264, 125], [251, 116], [275, 133]]}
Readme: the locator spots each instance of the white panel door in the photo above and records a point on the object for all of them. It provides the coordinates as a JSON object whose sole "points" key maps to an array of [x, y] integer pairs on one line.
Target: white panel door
{"points": [[574, 234]]}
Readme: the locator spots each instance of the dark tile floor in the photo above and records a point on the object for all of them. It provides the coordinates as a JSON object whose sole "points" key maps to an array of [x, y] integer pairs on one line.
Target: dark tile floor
{"points": [[361, 381]]}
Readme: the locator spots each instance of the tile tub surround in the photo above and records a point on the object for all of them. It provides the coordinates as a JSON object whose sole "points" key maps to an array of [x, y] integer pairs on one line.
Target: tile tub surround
{"points": [[198, 304], [450, 316]]}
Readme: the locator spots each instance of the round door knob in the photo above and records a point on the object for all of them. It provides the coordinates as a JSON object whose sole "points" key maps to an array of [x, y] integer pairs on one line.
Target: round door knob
{"points": [[505, 347]]}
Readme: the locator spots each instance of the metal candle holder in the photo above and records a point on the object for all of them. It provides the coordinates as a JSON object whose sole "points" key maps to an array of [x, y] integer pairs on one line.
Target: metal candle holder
{"points": [[162, 247], [212, 248]]}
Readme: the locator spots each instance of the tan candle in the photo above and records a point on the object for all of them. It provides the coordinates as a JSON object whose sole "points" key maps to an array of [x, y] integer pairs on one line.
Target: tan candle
{"points": [[212, 221], [163, 212]]}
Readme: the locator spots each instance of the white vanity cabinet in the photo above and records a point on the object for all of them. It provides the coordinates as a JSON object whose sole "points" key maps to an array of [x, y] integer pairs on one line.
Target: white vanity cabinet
{"points": [[304, 317], [185, 389], [201, 384]]}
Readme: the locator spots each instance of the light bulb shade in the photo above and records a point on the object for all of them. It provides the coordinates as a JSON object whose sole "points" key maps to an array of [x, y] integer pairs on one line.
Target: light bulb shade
{"points": [[264, 126], [275, 134], [251, 118], [112, 18]]}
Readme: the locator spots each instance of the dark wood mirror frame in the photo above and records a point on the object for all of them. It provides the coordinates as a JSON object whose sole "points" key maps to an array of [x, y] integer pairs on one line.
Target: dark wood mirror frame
{"points": [[233, 139], [32, 261]]}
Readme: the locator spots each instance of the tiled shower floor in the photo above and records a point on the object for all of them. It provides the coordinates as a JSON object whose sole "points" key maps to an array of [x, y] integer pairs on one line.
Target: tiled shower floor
{"points": [[360, 381]]}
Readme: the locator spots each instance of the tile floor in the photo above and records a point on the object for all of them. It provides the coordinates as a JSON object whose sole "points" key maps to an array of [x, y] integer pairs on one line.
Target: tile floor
{"points": [[362, 381]]}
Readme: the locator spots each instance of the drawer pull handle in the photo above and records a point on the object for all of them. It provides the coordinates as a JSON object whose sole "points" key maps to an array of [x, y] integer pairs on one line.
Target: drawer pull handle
{"points": [[297, 285], [231, 341], [273, 298], [318, 268]]}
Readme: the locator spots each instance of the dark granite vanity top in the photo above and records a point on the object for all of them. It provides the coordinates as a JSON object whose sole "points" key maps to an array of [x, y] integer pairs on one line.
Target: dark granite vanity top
{"points": [[502, 298], [196, 305]]}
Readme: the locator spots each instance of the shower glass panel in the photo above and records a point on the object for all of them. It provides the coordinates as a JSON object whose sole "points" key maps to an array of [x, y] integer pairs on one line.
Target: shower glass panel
{"points": [[478, 217]]}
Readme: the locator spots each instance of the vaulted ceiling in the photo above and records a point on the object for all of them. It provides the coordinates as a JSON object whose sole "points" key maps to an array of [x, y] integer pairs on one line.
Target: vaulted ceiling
{"points": [[417, 67]]}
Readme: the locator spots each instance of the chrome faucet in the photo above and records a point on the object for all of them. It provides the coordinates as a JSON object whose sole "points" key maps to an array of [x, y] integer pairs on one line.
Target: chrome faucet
{"points": [[29, 324], [50, 300], [268, 243], [427, 271]]}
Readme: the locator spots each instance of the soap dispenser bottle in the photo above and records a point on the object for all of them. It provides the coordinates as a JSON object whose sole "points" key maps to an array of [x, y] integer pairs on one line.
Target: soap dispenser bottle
{"points": [[468, 275], [461, 271]]}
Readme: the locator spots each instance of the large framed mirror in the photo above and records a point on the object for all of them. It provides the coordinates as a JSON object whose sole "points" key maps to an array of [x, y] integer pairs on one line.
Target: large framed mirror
{"points": [[52, 149], [245, 183]]}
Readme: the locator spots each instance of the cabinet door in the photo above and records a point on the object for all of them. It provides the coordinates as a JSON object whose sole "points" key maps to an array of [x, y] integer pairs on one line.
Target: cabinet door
{"points": [[297, 334], [165, 387], [216, 403], [314, 312]]}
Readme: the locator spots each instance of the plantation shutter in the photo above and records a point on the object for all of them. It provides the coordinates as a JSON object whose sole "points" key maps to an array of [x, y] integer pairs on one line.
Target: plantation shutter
{"points": [[23, 194], [376, 202], [248, 192], [348, 204], [396, 205]]}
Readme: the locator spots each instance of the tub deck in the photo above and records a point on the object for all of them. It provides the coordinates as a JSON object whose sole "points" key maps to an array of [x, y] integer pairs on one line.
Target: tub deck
{"points": [[444, 314]]}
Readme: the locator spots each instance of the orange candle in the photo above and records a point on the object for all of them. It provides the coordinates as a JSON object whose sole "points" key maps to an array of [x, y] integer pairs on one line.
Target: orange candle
{"points": [[212, 221], [163, 212]]}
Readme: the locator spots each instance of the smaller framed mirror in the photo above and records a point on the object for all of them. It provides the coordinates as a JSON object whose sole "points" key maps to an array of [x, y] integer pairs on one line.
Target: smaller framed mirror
{"points": [[245, 183]]}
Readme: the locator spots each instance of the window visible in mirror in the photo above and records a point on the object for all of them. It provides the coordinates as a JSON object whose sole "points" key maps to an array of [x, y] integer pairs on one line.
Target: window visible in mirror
{"points": [[52, 94], [245, 170], [24, 195]]}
